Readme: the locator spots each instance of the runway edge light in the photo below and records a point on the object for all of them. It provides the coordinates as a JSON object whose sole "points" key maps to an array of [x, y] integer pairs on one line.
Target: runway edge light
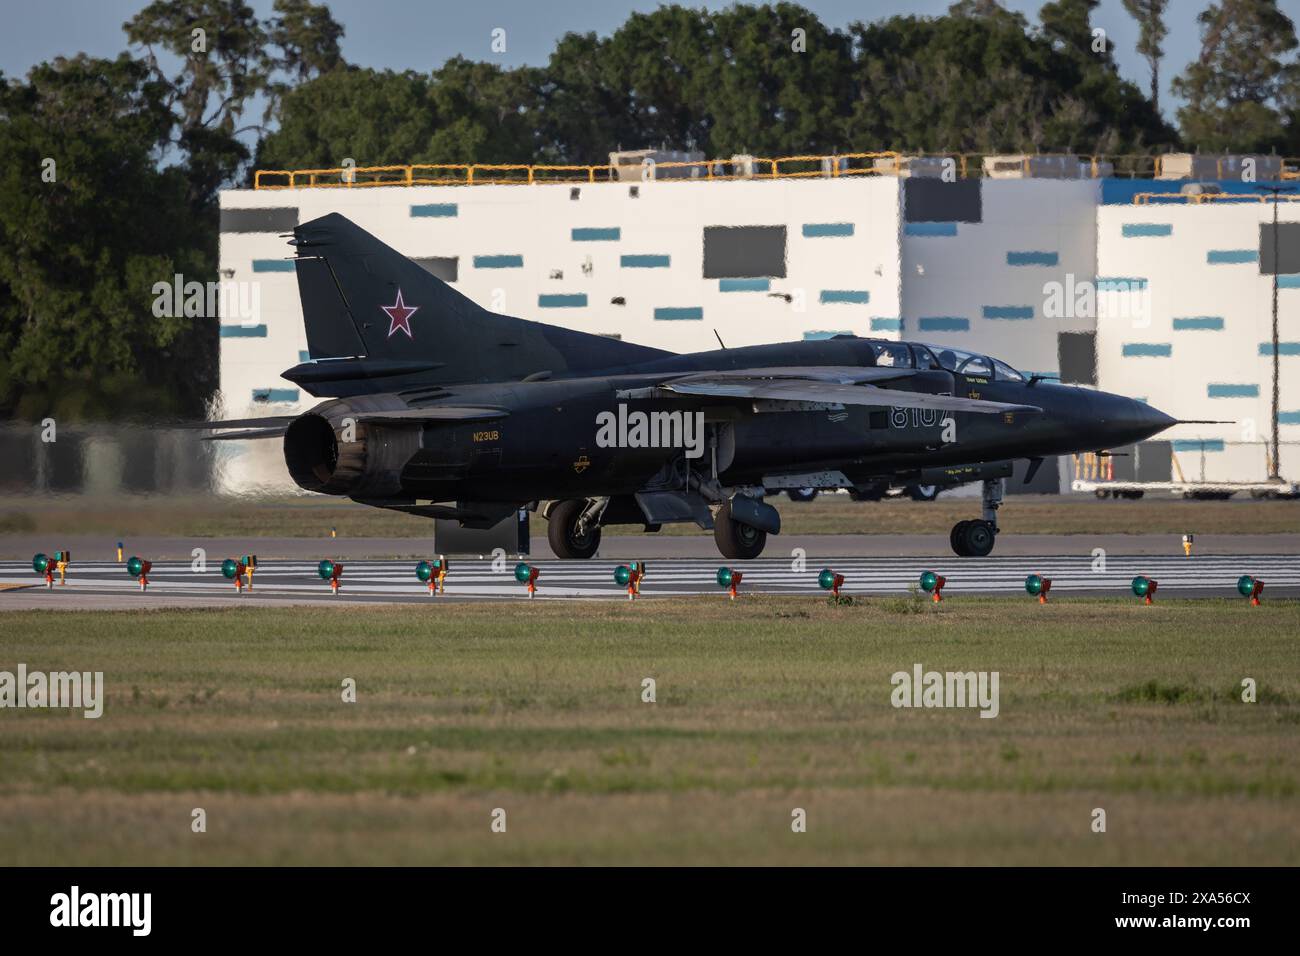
{"points": [[934, 584], [828, 580], [139, 569], [43, 565], [629, 576], [1038, 586], [332, 572], [527, 575], [729, 579], [1145, 588], [1250, 587]]}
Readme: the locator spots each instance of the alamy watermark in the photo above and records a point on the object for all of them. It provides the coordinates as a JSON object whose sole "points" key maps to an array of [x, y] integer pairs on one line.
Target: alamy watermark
{"points": [[75, 690], [922, 688], [677, 429]]}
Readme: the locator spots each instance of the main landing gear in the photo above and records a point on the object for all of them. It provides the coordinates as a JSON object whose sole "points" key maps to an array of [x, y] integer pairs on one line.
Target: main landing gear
{"points": [[974, 539], [573, 528]]}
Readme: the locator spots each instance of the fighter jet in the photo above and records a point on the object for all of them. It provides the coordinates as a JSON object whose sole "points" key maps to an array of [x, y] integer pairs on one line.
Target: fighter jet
{"points": [[435, 406]]}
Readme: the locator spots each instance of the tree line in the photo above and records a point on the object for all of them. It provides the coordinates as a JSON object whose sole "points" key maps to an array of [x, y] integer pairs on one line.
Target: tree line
{"points": [[113, 166]]}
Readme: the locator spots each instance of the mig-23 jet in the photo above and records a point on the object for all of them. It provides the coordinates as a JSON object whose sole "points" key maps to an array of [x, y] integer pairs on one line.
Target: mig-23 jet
{"points": [[435, 406]]}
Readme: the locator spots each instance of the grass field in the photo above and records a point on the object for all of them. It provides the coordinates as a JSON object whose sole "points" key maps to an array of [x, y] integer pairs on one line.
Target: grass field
{"points": [[762, 706], [309, 516]]}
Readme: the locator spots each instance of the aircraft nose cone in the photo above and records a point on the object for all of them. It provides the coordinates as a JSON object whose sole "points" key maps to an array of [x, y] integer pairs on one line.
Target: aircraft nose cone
{"points": [[1128, 420]]}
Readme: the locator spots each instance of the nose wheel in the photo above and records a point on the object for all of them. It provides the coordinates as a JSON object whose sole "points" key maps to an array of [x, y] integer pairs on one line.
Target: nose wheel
{"points": [[972, 539], [975, 539]]}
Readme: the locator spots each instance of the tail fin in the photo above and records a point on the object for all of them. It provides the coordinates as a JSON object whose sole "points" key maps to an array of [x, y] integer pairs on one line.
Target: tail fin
{"points": [[362, 299]]}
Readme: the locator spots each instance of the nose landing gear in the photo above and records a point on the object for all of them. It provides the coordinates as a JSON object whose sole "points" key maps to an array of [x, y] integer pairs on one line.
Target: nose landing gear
{"points": [[975, 539]]}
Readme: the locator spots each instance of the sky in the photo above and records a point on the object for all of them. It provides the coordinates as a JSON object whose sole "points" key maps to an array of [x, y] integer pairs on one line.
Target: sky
{"points": [[422, 34]]}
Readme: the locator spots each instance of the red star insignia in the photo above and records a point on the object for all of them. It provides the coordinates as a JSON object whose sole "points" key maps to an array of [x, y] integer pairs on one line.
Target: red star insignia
{"points": [[400, 313]]}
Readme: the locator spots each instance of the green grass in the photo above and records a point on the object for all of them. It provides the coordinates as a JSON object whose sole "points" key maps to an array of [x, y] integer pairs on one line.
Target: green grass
{"points": [[762, 706], [314, 516]]}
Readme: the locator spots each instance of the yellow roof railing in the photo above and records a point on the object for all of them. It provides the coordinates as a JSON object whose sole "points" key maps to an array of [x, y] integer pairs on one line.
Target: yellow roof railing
{"points": [[832, 166], [1147, 199]]}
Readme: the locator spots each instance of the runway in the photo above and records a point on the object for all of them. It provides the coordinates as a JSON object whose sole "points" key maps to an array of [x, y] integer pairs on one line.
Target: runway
{"points": [[107, 585]]}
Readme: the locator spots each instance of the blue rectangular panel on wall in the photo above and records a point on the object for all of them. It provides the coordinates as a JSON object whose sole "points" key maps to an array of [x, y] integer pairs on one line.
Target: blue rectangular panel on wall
{"points": [[1147, 350], [945, 229], [1008, 311], [1120, 284], [243, 331], [943, 323], [1199, 322], [679, 313], [1231, 257], [506, 261], [1136, 230], [1197, 445], [597, 234], [1225, 390], [273, 265], [557, 300], [850, 296], [1033, 259], [744, 285], [304, 355], [435, 210], [645, 262], [275, 395], [827, 230], [1283, 348], [883, 324], [1288, 282], [1288, 418]]}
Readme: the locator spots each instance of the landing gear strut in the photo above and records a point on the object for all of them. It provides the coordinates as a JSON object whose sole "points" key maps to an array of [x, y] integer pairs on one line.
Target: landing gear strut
{"points": [[974, 539]]}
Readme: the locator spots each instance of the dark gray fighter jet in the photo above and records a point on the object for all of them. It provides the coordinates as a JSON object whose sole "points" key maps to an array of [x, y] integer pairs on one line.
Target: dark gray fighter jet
{"points": [[437, 407]]}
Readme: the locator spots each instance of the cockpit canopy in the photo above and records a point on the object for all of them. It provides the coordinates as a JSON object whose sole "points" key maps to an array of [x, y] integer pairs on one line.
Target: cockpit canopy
{"points": [[916, 355]]}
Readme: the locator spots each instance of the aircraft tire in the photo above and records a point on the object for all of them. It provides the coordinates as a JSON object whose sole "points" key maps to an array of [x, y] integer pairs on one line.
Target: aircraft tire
{"points": [[565, 542], [801, 494], [736, 540], [956, 538], [977, 539]]}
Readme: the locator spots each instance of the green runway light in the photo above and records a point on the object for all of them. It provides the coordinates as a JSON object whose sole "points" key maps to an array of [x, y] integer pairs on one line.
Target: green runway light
{"points": [[929, 580], [40, 563], [725, 576], [325, 569], [622, 575], [1034, 584], [424, 571], [522, 572], [1245, 585], [1141, 586], [230, 568], [826, 579], [134, 567]]}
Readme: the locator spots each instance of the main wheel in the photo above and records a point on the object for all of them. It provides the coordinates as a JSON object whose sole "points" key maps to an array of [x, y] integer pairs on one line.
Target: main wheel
{"points": [[922, 492], [562, 531], [956, 538], [736, 540], [977, 539], [801, 494]]}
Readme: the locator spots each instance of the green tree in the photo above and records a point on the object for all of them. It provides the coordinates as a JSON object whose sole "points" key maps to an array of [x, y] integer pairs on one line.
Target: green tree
{"points": [[1242, 88], [1150, 17], [307, 36], [222, 47], [984, 83], [79, 254]]}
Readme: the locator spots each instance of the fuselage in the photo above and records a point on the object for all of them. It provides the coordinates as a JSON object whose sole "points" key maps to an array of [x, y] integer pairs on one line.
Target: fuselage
{"points": [[553, 438]]}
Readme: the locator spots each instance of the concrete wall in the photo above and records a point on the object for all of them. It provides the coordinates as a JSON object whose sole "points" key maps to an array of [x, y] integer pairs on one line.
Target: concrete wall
{"points": [[1204, 349]]}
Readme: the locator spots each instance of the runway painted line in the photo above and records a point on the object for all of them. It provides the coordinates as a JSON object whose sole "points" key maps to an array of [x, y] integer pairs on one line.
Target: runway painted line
{"points": [[395, 581]]}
